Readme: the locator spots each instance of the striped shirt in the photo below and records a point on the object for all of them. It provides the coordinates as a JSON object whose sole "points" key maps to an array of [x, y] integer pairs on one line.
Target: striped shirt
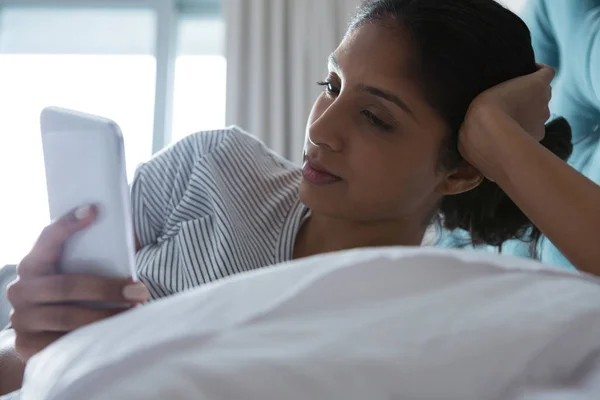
{"points": [[216, 203]]}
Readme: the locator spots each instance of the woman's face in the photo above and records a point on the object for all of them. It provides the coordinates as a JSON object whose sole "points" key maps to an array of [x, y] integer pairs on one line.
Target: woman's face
{"points": [[373, 130]]}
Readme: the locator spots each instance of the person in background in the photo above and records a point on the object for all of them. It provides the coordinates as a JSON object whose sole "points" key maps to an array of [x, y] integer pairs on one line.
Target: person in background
{"points": [[431, 110], [566, 36]]}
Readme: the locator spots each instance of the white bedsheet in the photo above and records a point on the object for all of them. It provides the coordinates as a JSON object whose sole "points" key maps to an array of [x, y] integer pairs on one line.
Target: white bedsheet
{"points": [[370, 324]]}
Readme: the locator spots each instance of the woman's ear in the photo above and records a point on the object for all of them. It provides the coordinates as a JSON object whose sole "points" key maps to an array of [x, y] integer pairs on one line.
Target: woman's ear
{"points": [[460, 180]]}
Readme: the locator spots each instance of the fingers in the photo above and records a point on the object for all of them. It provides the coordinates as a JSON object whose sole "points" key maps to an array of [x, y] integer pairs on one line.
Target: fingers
{"points": [[47, 305], [44, 309], [545, 72], [75, 288], [545, 75], [46, 252], [57, 318]]}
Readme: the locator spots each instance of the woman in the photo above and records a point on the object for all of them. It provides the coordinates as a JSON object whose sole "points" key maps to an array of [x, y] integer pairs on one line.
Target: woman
{"points": [[430, 109]]}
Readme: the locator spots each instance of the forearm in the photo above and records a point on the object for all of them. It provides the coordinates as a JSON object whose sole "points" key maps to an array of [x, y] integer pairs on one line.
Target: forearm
{"points": [[560, 201], [11, 366]]}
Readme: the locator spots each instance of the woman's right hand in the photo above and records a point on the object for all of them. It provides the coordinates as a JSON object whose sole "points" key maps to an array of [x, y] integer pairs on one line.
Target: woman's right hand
{"points": [[47, 305]]}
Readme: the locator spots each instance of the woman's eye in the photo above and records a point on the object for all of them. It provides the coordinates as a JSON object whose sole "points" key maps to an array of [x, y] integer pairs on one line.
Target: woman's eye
{"points": [[375, 121], [329, 87]]}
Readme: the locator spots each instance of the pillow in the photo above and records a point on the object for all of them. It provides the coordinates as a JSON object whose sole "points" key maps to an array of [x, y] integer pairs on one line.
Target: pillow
{"points": [[395, 323]]}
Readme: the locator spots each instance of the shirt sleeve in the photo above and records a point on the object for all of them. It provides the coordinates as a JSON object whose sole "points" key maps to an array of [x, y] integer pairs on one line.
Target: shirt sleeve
{"points": [[149, 201], [159, 184]]}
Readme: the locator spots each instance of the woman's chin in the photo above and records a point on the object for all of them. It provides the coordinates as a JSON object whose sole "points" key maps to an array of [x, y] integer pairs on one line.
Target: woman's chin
{"points": [[323, 199]]}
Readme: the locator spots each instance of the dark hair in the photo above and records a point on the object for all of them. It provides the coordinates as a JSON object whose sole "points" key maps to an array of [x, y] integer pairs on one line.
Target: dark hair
{"points": [[462, 48]]}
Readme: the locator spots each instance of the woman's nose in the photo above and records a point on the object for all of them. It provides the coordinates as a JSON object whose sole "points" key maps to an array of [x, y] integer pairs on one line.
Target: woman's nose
{"points": [[326, 132]]}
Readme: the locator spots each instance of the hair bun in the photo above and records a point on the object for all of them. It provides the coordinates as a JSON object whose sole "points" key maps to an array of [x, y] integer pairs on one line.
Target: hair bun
{"points": [[488, 214], [558, 138]]}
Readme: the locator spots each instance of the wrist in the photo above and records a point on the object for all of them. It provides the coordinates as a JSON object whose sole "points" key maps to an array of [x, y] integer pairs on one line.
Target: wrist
{"points": [[511, 149], [490, 140]]}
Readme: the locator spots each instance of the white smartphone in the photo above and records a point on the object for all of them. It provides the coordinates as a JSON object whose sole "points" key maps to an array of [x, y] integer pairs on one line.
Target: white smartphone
{"points": [[84, 160]]}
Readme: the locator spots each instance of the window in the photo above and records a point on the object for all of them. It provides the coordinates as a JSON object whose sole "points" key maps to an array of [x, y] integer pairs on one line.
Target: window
{"points": [[120, 87], [66, 56], [200, 77], [199, 94]]}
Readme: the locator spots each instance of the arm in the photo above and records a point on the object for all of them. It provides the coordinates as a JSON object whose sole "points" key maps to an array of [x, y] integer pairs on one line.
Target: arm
{"points": [[11, 366], [560, 201]]}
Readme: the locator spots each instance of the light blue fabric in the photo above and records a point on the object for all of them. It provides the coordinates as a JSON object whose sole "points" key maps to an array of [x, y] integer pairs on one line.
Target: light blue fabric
{"points": [[565, 35]]}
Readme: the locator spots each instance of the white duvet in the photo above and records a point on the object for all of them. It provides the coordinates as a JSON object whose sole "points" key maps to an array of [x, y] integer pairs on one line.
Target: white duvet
{"points": [[370, 324]]}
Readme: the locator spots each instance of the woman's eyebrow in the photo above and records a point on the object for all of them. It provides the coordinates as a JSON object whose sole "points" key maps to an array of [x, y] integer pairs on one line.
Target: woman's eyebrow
{"points": [[387, 96], [335, 66]]}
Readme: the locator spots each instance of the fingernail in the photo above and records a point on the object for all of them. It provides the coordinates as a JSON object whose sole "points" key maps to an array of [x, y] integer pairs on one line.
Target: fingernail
{"points": [[82, 212], [137, 292]]}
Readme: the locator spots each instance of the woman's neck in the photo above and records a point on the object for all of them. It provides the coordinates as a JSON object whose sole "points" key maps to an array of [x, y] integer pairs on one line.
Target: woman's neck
{"points": [[321, 234]]}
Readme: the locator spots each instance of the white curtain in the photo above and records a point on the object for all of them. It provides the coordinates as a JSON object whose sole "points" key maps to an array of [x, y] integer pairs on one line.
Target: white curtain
{"points": [[276, 52]]}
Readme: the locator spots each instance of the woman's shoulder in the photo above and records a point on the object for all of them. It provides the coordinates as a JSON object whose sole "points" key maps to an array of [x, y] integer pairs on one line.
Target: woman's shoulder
{"points": [[213, 189], [228, 144], [225, 166], [223, 149]]}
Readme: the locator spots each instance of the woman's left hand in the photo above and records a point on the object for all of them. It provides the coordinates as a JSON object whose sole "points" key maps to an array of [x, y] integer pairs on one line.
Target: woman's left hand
{"points": [[500, 138], [523, 101]]}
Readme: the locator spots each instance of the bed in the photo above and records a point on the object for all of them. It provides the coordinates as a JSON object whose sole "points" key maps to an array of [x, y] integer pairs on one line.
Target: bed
{"points": [[397, 323]]}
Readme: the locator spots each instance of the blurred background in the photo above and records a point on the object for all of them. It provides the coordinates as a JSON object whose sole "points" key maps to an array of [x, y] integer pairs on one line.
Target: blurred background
{"points": [[162, 69]]}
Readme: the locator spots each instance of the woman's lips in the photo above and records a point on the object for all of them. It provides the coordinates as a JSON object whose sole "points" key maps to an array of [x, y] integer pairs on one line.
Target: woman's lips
{"points": [[317, 175]]}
